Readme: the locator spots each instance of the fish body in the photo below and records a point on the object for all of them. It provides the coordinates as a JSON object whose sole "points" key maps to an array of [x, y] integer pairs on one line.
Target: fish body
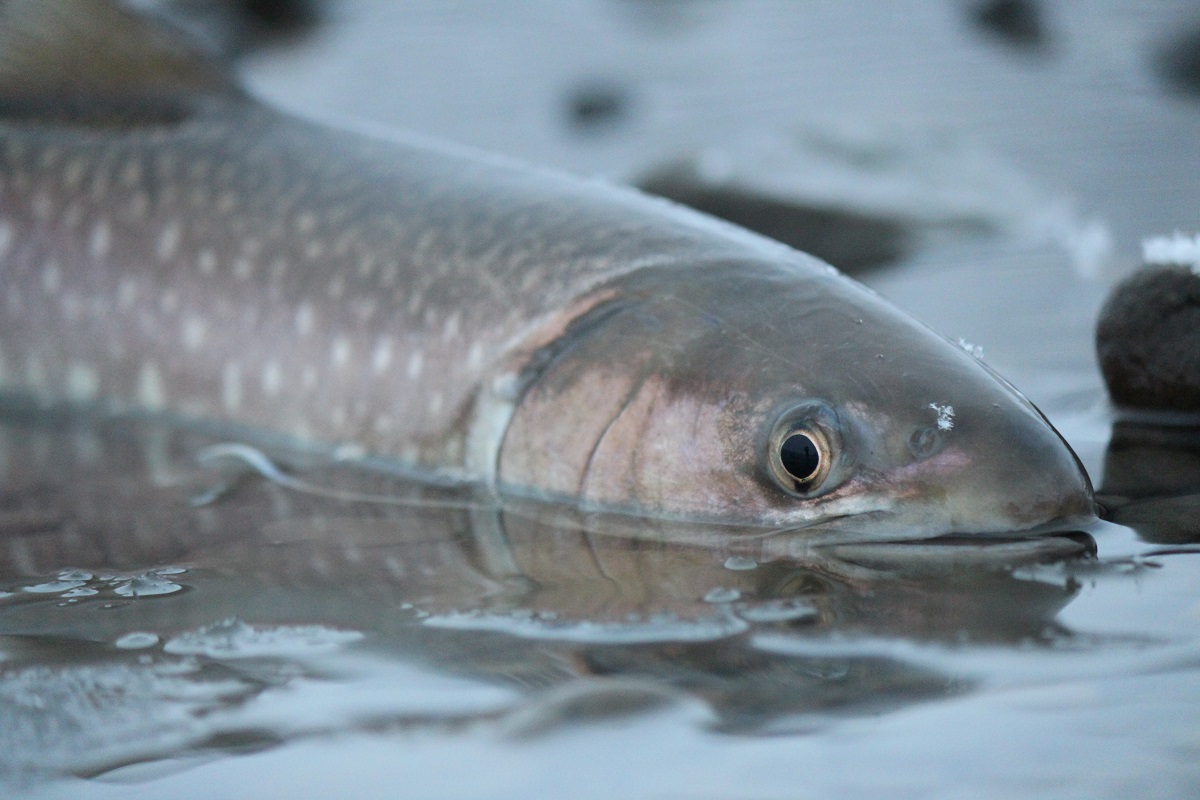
{"points": [[169, 244]]}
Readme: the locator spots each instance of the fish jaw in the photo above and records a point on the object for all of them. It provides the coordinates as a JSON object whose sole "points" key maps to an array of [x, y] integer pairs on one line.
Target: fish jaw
{"points": [[668, 409]]}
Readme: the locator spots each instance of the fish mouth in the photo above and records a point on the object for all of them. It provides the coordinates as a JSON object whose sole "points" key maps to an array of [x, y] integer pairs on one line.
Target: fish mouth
{"points": [[883, 525]]}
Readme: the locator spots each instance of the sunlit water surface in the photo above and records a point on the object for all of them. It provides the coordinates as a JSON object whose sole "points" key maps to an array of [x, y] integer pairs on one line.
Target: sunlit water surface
{"points": [[176, 628]]}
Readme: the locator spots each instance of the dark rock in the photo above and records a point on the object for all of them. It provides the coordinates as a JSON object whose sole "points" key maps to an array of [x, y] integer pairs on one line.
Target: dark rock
{"points": [[596, 105], [850, 240], [237, 27], [1016, 22], [1178, 63], [1148, 340]]}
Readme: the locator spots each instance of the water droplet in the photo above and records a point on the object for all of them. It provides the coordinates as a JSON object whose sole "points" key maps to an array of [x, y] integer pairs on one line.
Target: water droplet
{"points": [[147, 586], [136, 640], [74, 575], [740, 563], [722, 595], [82, 591], [53, 587], [778, 611]]}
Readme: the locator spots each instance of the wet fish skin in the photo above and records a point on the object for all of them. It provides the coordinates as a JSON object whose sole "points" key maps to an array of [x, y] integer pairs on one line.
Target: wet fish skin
{"points": [[173, 245]]}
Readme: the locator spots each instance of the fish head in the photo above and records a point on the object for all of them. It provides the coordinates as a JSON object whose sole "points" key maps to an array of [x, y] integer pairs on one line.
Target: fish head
{"points": [[788, 398]]}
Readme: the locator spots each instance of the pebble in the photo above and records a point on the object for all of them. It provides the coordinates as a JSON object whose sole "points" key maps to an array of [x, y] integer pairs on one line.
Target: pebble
{"points": [[1148, 340]]}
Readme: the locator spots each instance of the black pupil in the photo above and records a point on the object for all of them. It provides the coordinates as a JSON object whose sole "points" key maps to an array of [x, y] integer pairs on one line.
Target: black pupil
{"points": [[800, 456]]}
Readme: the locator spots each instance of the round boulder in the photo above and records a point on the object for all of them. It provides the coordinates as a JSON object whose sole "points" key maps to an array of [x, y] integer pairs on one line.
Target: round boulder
{"points": [[1148, 340]]}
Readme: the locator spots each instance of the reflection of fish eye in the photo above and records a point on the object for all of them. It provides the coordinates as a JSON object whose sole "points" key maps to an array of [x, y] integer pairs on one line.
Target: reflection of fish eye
{"points": [[800, 455], [924, 442]]}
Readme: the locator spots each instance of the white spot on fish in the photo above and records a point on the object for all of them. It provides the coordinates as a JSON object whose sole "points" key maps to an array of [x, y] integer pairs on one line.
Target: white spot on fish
{"points": [[366, 265], [272, 379], [168, 241], [83, 382], [945, 416], [43, 206], [131, 174], [451, 328], [226, 202], [99, 241], [242, 268], [340, 352], [51, 278], [475, 356], [415, 362], [365, 308], [126, 293], [305, 221], [304, 319], [73, 172], [314, 249], [389, 274], [72, 306], [231, 386], [139, 204], [35, 371], [150, 390], [381, 356], [194, 331], [206, 262], [50, 157]]}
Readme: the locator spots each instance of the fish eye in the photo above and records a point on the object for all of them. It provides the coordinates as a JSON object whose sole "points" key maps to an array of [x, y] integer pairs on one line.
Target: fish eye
{"points": [[800, 456], [801, 452]]}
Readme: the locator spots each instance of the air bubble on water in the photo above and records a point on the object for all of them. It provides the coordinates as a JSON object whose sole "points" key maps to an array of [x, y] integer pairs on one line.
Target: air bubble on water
{"points": [[74, 575], [722, 595], [137, 640], [778, 611], [82, 591], [169, 571], [232, 638], [657, 628], [739, 563], [53, 587], [147, 586]]}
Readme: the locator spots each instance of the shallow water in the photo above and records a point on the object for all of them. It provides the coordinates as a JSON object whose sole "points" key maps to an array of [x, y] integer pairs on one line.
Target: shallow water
{"points": [[171, 627]]}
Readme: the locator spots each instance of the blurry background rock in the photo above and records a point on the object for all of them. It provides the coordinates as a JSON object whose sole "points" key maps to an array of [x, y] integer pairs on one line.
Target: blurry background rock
{"points": [[1017, 23], [1178, 62], [239, 26], [1148, 337]]}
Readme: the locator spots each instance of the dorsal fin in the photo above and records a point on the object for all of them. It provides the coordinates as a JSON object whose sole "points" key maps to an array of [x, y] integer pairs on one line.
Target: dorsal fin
{"points": [[57, 56]]}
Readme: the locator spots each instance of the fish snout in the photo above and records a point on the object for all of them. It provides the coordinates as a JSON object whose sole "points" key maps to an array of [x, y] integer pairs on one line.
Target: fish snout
{"points": [[1015, 477]]}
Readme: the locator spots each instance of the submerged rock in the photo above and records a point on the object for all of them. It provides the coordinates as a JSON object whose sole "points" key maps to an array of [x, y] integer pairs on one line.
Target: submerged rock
{"points": [[1148, 340], [1017, 23], [853, 240]]}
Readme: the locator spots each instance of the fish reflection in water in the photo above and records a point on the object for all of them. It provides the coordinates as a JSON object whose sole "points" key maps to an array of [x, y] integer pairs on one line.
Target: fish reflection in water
{"points": [[559, 608]]}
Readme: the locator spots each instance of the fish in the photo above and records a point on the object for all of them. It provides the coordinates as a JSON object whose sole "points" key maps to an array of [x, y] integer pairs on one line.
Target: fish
{"points": [[170, 245]]}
